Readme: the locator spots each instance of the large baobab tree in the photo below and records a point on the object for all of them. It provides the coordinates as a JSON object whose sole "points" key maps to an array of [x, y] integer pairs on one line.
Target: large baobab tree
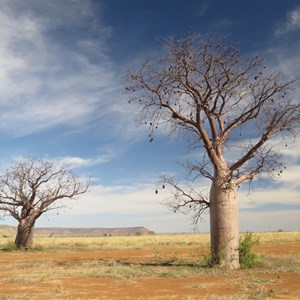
{"points": [[224, 106], [32, 187]]}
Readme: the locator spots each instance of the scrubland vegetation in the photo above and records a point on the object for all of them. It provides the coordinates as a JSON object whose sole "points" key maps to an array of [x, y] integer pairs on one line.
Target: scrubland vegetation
{"points": [[54, 262]]}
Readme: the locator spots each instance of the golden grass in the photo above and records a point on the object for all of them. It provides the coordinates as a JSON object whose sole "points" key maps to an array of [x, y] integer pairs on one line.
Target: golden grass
{"points": [[149, 241], [141, 242], [278, 237], [116, 242]]}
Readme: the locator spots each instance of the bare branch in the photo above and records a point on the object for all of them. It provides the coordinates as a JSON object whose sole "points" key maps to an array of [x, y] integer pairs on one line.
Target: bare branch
{"points": [[219, 102], [30, 187], [188, 201]]}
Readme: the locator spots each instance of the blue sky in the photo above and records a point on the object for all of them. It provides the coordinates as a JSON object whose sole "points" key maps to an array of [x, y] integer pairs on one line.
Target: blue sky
{"points": [[61, 97]]}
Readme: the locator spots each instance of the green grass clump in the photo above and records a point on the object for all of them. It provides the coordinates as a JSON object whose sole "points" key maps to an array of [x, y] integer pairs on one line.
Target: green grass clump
{"points": [[9, 246], [249, 259]]}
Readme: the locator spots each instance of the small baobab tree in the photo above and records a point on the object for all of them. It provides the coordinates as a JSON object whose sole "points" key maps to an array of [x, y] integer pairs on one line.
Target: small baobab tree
{"points": [[228, 108], [32, 187]]}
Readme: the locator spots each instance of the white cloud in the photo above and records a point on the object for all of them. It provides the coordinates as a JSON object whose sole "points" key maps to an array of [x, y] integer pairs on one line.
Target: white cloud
{"points": [[124, 200], [292, 23], [139, 205], [283, 51], [55, 70], [263, 197], [76, 162], [285, 59], [48, 80], [126, 206], [106, 154]]}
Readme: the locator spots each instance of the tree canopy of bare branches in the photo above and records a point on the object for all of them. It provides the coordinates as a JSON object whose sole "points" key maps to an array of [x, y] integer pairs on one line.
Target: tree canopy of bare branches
{"points": [[224, 105], [32, 187]]}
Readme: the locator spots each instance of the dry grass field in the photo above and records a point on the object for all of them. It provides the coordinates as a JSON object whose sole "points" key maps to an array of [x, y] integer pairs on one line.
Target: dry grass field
{"points": [[146, 267]]}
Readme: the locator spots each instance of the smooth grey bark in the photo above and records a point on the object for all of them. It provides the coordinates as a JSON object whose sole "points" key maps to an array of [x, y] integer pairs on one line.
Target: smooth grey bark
{"points": [[224, 223]]}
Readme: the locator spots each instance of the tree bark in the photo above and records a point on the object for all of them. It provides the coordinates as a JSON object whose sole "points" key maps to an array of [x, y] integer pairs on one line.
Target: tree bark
{"points": [[224, 224], [25, 234]]}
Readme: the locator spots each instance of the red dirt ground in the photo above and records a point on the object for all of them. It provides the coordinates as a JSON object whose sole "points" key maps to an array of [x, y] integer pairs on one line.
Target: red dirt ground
{"points": [[282, 285]]}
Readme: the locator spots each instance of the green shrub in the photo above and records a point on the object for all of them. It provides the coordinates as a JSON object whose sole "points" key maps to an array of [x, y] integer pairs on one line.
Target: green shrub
{"points": [[9, 246], [248, 259]]}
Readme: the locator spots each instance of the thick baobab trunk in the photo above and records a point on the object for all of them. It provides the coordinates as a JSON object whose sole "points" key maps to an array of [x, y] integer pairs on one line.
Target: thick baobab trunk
{"points": [[224, 224], [25, 233]]}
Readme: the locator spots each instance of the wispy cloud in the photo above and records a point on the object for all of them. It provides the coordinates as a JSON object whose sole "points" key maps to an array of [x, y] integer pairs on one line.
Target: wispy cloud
{"points": [[106, 154], [139, 205], [201, 10], [136, 204], [126, 200], [48, 79], [77, 162], [291, 23]]}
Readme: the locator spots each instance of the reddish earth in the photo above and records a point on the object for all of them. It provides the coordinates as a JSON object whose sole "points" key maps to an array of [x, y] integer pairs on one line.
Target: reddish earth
{"points": [[261, 283]]}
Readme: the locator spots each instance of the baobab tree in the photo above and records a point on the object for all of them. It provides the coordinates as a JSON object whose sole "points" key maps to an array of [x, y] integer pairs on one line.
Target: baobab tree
{"points": [[226, 107], [32, 187]]}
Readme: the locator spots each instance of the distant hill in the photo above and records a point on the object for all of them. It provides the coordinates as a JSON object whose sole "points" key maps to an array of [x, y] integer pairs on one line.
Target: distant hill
{"points": [[6, 230]]}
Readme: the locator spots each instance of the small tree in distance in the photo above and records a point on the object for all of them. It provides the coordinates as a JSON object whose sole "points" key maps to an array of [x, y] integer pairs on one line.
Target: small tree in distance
{"points": [[32, 187], [226, 107]]}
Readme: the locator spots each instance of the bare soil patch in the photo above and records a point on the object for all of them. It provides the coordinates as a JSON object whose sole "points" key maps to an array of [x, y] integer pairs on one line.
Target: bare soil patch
{"points": [[74, 275]]}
